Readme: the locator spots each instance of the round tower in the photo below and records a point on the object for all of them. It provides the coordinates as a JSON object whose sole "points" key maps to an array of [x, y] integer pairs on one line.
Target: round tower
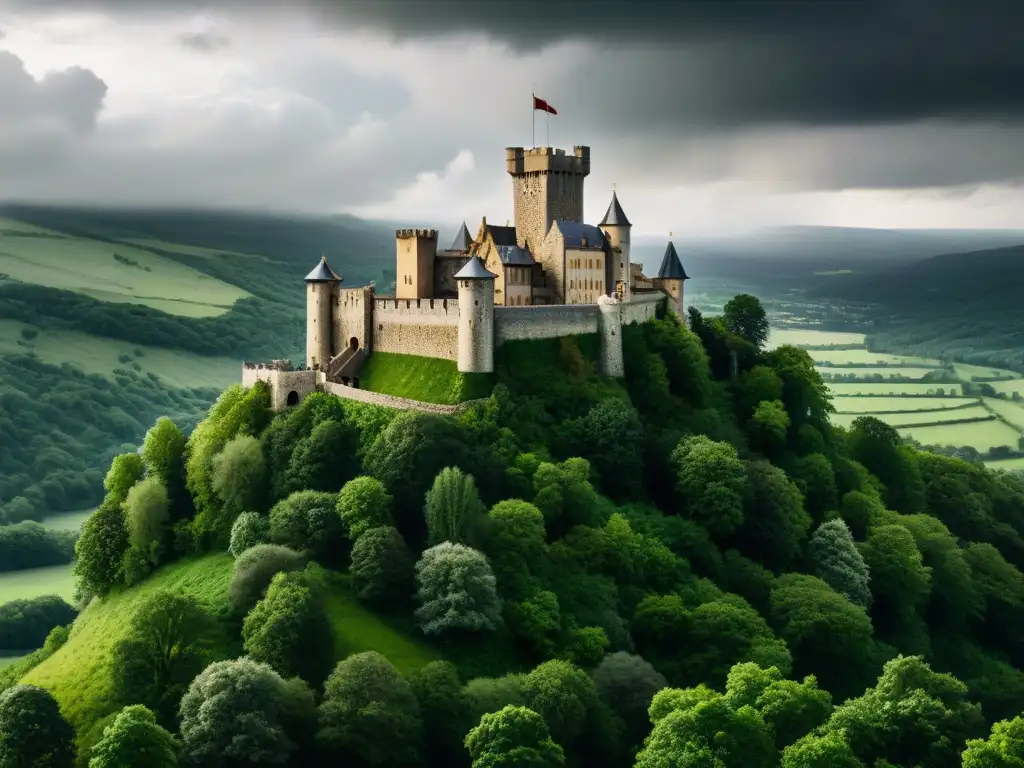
{"points": [[616, 228], [320, 288], [476, 317], [671, 277], [611, 362]]}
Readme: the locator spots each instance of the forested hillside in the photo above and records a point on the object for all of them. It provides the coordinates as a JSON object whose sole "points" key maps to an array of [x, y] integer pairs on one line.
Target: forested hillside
{"points": [[691, 567]]}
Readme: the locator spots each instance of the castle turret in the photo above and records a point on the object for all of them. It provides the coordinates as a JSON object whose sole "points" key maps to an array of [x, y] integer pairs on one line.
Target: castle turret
{"points": [[547, 186], [320, 287], [671, 276], [616, 228], [476, 317], [414, 267]]}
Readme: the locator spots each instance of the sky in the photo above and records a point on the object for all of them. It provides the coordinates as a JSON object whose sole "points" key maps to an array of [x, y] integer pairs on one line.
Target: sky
{"points": [[705, 117]]}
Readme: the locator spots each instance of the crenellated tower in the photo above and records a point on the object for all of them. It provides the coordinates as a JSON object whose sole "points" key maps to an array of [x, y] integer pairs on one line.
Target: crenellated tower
{"points": [[416, 250], [547, 186]]}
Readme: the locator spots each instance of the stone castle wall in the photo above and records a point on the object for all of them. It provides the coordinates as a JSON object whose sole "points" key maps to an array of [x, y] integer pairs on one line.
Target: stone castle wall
{"points": [[424, 327], [353, 318], [641, 307], [390, 401], [286, 387], [544, 322]]}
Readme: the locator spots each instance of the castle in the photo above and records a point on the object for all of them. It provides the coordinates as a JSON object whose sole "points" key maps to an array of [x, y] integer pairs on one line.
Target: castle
{"points": [[548, 275]]}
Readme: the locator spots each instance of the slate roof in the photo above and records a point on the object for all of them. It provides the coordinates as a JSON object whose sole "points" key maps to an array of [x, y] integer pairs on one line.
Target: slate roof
{"points": [[474, 270], [513, 255], [462, 240], [615, 216], [502, 235], [574, 233], [671, 268], [322, 273]]}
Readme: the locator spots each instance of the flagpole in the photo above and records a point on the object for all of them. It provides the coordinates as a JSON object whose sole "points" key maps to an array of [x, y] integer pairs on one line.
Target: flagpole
{"points": [[533, 114]]}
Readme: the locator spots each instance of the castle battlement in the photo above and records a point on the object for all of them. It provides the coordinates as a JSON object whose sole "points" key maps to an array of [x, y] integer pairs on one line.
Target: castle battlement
{"points": [[547, 160], [430, 234]]}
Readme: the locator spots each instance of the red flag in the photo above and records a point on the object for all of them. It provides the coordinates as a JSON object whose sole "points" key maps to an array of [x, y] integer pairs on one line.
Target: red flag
{"points": [[543, 106]]}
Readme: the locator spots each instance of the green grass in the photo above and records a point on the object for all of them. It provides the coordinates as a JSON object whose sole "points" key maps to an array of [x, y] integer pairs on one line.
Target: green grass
{"points": [[33, 582], [917, 417], [864, 357], [78, 675], [96, 354], [1009, 387], [1010, 412], [189, 250], [357, 629], [427, 379], [809, 337], [68, 521], [907, 372], [983, 435], [965, 372], [894, 388], [88, 266], [864, 405], [6, 661], [1006, 464]]}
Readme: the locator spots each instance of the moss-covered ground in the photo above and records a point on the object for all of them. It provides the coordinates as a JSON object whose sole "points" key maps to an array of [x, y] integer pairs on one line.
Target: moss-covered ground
{"points": [[427, 379]]}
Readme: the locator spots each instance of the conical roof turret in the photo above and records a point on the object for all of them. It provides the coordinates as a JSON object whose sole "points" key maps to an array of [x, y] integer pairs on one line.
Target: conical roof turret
{"points": [[615, 216], [322, 273], [462, 240], [474, 270], [671, 268]]}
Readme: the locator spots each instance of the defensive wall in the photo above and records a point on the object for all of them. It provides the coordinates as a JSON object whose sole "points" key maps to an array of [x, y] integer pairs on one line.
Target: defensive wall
{"points": [[544, 322], [641, 307], [424, 327]]}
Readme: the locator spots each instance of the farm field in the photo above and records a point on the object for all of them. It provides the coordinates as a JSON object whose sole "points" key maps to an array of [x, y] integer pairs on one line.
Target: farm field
{"points": [[1009, 387], [982, 436], [885, 405], [864, 357], [1008, 411], [966, 372], [68, 521], [33, 582], [809, 337], [895, 388], [34, 255], [918, 417], [1007, 464], [907, 372], [190, 250], [96, 354]]}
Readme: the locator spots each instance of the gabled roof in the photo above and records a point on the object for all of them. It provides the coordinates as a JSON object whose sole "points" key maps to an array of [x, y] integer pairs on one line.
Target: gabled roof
{"points": [[322, 273], [574, 234], [502, 235], [671, 268], [474, 270], [513, 255], [462, 240], [615, 216]]}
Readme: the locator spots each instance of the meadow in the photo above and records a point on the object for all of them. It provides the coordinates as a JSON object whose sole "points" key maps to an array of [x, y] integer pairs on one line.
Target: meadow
{"points": [[982, 436], [865, 371], [894, 388], [810, 337], [110, 272], [908, 418], [886, 405], [1007, 410]]}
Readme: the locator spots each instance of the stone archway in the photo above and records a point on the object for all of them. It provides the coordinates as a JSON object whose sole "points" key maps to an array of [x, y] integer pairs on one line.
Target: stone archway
{"points": [[353, 344], [293, 398]]}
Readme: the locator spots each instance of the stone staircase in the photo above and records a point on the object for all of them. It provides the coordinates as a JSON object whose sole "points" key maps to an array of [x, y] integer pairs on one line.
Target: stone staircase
{"points": [[345, 365]]}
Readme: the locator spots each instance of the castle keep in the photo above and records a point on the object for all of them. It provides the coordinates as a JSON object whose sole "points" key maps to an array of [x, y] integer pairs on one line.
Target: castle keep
{"points": [[548, 275]]}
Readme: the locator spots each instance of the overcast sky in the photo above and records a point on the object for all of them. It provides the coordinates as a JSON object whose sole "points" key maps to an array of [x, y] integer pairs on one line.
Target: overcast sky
{"points": [[707, 117]]}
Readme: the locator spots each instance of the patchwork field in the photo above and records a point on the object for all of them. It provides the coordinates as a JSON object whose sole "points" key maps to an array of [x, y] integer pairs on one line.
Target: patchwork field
{"points": [[96, 354], [1008, 465], [906, 405], [116, 273], [33, 582]]}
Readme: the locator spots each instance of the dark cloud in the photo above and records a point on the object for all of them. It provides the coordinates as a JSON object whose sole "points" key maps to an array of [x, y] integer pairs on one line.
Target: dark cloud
{"points": [[204, 42]]}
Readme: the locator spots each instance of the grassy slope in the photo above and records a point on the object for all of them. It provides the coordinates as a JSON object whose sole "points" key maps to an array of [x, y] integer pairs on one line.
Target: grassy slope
{"points": [[421, 378], [78, 674]]}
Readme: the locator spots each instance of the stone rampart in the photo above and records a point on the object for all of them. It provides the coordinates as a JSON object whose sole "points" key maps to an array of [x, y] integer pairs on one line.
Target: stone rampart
{"points": [[544, 322], [641, 307], [286, 387], [353, 318], [424, 327], [390, 401]]}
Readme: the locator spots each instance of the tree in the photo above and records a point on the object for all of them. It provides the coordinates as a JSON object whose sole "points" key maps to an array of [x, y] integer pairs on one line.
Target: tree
{"points": [[239, 476], [248, 530], [700, 727], [369, 713], [26, 623], [147, 508], [100, 550], [900, 581], [453, 508], [515, 543], [444, 708], [513, 736], [839, 564], [879, 447], [817, 480], [288, 629], [829, 751], [774, 521], [163, 455], [32, 730], [768, 427], [710, 482], [627, 683], [126, 470], [364, 503], [755, 386], [611, 438], [1004, 748], [457, 590], [744, 316], [325, 459], [306, 521], [241, 712], [790, 709], [253, 571], [804, 393], [165, 648], [382, 566], [134, 740], [564, 695]]}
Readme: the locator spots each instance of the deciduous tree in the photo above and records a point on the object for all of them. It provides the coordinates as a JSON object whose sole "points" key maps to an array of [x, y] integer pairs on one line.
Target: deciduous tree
{"points": [[838, 562], [457, 590], [513, 736], [134, 740], [382, 566], [32, 730], [453, 508]]}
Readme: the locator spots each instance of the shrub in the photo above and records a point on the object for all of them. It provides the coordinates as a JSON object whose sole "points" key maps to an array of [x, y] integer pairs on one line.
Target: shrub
{"points": [[248, 530], [364, 503], [24, 624], [306, 521], [382, 567], [457, 590], [254, 570]]}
